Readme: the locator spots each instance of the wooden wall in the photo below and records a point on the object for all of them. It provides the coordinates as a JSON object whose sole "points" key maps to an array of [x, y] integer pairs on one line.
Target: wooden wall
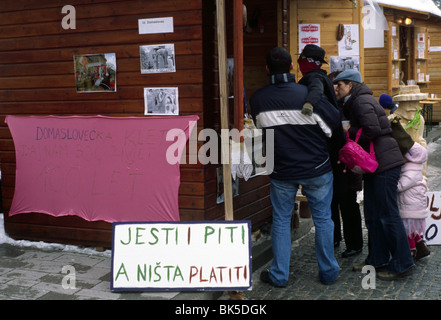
{"points": [[376, 67], [434, 66], [259, 38], [328, 14], [37, 78], [253, 202]]}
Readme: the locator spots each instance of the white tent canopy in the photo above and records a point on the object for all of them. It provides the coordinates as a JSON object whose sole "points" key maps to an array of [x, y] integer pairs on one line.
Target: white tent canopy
{"points": [[424, 6]]}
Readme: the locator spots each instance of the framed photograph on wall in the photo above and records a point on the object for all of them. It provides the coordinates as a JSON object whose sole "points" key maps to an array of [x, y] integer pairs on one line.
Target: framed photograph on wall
{"points": [[158, 58], [95, 72], [161, 101]]}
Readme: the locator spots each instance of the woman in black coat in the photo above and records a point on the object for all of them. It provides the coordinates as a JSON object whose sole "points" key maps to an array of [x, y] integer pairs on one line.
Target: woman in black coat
{"points": [[387, 240], [344, 198]]}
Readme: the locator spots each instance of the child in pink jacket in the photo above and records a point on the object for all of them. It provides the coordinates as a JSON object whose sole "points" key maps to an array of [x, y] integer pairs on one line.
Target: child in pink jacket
{"points": [[412, 191]]}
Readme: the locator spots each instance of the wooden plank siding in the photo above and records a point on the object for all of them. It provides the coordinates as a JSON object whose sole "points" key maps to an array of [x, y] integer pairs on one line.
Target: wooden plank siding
{"points": [[376, 69], [37, 78], [434, 67], [326, 13]]}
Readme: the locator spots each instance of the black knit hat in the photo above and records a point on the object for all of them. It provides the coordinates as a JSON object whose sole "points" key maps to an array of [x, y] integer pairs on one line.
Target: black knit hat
{"points": [[404, 140]]}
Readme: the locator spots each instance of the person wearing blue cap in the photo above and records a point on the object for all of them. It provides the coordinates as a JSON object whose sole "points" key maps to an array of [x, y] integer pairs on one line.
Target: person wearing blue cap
{"points": [[388, 245]]}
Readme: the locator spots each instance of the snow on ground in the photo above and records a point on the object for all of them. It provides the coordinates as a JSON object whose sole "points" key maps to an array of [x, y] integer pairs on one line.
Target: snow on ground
{"points": [[45, 245]]}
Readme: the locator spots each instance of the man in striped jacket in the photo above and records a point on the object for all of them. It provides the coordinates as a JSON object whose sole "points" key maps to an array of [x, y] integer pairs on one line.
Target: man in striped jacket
{"points": [[301, 157]]}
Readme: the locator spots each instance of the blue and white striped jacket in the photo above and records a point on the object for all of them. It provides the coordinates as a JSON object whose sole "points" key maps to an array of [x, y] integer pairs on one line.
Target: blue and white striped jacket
{"points": [[300, 142]]}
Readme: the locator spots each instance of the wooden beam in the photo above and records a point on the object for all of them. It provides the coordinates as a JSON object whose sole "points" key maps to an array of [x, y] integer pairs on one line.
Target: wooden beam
{"points": [[293, 39], [238, 64], [222, 60], [357, 18]]}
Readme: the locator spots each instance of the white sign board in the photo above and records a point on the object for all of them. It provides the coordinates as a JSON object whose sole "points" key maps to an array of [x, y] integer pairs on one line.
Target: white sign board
{"points": [[177, 256], [434, 49], [433, 221], [155, 25]]}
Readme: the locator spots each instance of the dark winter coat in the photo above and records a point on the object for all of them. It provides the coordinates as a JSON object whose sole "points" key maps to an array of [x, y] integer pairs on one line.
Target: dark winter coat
{"points": [[318, 83], [300, 142], [365, 112]]}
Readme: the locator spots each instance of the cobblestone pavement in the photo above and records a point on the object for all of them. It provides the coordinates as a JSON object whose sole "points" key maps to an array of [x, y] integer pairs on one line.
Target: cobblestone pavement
{"points": [[424, 283], [51, 273]]}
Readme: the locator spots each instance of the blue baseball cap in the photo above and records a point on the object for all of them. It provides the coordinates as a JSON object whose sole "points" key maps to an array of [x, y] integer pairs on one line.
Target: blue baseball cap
{"points": [[349, 75]]}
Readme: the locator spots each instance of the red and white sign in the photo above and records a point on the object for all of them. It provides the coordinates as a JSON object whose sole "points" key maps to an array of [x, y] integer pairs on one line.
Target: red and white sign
{"points": [[309, 28], [308, 34]]}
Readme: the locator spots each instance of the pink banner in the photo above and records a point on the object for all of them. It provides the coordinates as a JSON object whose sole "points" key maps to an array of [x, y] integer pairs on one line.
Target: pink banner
{"points": [[99, 168]]}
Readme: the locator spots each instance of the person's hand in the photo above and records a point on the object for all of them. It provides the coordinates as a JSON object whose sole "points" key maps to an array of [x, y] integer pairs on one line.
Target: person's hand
{"points": [[346, 125], [307, 109]]}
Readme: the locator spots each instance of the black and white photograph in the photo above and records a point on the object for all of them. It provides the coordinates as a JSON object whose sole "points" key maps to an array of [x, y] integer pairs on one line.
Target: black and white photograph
{"points": [[159, 58], [345, 63], [161, 101]]}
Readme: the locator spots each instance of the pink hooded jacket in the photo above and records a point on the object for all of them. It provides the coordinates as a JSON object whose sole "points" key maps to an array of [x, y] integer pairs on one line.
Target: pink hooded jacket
{"points": [[411, 187]]}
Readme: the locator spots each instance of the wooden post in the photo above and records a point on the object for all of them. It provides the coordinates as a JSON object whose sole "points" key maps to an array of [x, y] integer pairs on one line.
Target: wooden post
{"points": [[238, 64], [223, 100]]}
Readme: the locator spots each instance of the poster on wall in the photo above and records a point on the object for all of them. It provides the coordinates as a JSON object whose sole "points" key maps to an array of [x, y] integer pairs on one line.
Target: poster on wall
{"points": [[308, 34], [95, 72], [158, 58], [161, 101], [349, 45], [344, 63]]}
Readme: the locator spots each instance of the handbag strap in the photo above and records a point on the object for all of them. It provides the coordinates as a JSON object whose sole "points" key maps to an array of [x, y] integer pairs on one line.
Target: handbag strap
{"points": [[372, 152], [356, 137], [371, 144]]}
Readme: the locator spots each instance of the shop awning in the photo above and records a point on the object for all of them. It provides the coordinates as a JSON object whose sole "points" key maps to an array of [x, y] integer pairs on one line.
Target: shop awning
{"points": [[419, 6]]}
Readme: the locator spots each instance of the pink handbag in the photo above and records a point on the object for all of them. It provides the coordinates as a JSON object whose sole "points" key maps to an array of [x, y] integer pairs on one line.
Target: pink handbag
{"points": [[356, 158]]}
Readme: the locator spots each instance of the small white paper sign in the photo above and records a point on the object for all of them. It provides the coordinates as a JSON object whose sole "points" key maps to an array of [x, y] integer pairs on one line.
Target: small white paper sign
{"points": [[433, 221], [152, 256], [155, 25]]}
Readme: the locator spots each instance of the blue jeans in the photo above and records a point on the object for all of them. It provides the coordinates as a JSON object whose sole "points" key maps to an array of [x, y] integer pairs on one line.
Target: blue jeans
{"points": [[319, 194], [387, 239]]}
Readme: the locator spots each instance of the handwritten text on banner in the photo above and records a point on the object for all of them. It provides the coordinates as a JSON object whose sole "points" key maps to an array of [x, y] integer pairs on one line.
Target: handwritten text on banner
{"points": [[98, 168]]}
